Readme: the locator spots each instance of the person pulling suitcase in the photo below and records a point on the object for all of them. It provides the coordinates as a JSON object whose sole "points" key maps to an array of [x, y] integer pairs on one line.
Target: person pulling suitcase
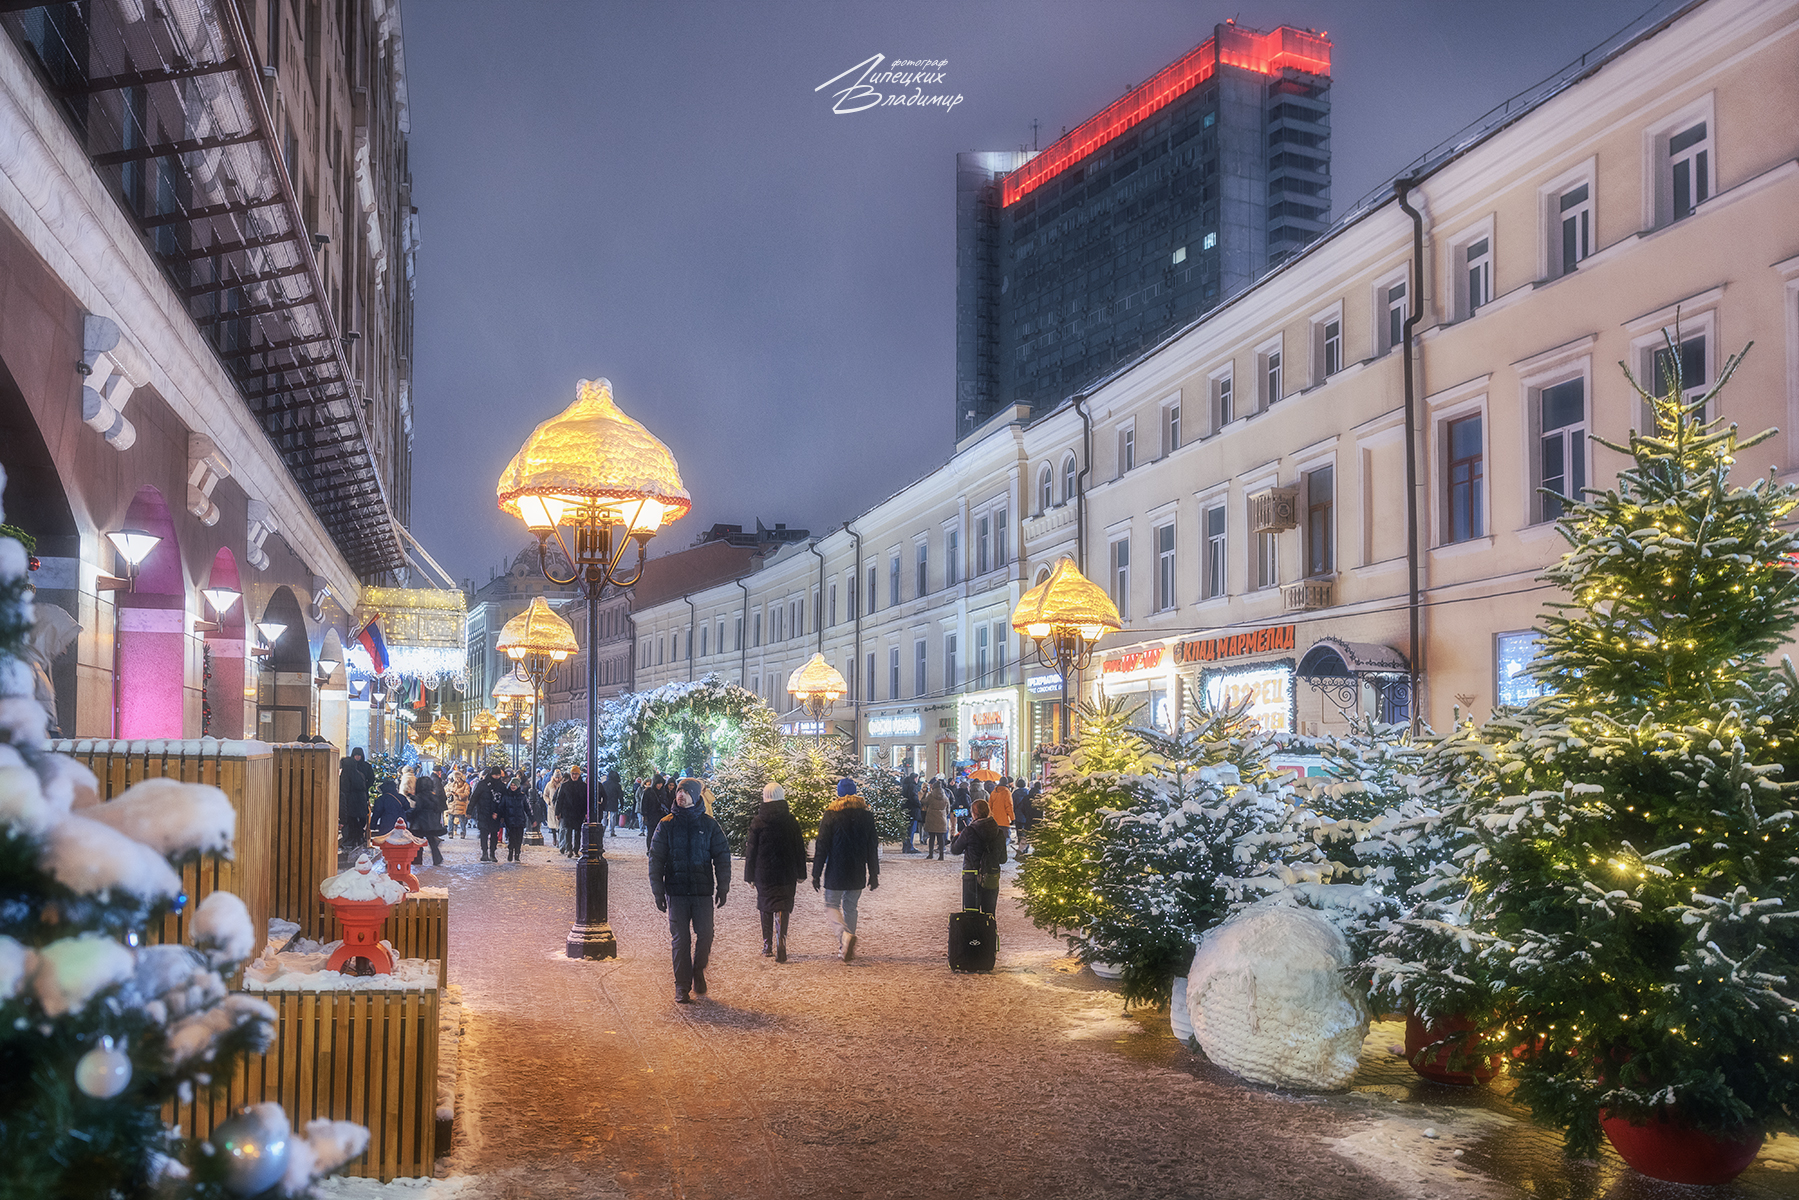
{"points": [[974, 934]]}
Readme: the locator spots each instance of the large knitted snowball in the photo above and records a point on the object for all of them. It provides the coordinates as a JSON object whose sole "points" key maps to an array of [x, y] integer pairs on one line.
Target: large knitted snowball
{"points": [[1268, 999]]}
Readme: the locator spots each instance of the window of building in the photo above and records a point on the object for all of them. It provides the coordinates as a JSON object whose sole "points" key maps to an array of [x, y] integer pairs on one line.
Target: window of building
{"points": [[703, 631], [870, 680], [796, 622], [893, 673], [924, 568], [893, 580], [1474, 285], [833, 603], [952, 557], [1121, 577], [1561, 458], [756, 683], [1171, 426], [1265, 568], [1320, 523], [1689, 169], [1127, 447], [756, 630], [1467, 469], [818, 610], [873, 576], [1045, 493], [981, 659], [1002, 538], [983, 537], [1212, 555], [1685, 367], [659, 648], [1069, 479], [1269, 360], [1002, 653], [1392, 316], [737, 642], [1165, 567], [1327, 345], [1573, 240], [918, 667], [1221, 400], [1513, 654], [949, 662]]}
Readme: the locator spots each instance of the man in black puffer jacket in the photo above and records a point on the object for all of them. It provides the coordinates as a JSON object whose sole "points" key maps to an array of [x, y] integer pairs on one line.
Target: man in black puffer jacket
{"points": [[690, 858]]}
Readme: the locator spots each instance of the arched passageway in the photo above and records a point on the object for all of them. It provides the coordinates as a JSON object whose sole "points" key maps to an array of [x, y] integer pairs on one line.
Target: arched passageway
{"points": [[150, 674]]}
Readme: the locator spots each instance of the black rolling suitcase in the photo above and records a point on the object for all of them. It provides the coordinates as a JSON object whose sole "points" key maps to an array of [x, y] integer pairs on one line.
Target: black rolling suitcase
{"points": [[973, 941]]}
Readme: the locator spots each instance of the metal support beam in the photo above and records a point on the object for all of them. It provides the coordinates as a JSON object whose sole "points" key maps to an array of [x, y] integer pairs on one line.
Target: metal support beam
{"points": [[131, 79], [207, 213], [113, 158]]}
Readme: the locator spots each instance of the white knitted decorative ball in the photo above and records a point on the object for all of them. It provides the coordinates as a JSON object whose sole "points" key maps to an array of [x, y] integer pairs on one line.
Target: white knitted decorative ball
{"points": [[1268, 1000]]}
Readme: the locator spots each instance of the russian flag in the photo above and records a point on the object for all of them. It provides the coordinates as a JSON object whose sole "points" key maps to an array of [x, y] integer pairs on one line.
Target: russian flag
{"points": [[375, 644]]}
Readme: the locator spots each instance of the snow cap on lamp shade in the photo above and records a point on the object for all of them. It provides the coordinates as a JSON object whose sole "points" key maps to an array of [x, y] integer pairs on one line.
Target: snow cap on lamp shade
{"points": [[538, 630], [592, 451], [846, 786], [1066, 598], [773, 792]]}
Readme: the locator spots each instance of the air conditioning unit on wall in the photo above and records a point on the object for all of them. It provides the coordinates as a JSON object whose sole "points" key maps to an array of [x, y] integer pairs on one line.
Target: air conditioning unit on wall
{"points": [[1274, 510]]}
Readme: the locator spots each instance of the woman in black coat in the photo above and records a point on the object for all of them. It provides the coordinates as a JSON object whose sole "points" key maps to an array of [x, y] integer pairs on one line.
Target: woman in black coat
{"points": [[390, 806], [774, 859], [428, 807], [515, 814]]}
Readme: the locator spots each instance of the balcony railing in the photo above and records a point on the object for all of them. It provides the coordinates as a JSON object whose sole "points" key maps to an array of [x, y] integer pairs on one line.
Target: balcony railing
{"points": [[1306, 595]]}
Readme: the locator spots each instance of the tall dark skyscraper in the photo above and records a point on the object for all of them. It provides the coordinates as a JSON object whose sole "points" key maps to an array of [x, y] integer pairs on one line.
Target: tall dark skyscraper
{"points": [[1071, 261]]}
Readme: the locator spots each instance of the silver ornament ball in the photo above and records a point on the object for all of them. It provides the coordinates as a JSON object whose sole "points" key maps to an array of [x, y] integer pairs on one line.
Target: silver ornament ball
{"points": [[254, 1145], [104, 1071]]}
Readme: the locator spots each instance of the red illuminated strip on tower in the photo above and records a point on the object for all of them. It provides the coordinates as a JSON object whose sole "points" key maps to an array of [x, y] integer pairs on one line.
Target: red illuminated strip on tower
{"points": [[1265, 53]]}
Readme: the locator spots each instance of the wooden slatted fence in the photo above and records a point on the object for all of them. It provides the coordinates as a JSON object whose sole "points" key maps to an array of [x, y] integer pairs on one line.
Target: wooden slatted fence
{"points": [[418, 927], [244, 771], [305, 833], [363, 1056]]}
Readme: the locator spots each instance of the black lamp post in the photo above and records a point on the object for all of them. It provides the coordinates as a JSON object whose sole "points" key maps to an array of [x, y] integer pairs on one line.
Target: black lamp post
{"points": [[610, 482]]}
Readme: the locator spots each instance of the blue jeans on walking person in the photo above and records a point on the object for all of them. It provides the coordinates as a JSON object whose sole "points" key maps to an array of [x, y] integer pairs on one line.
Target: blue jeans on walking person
{"points": [[690, 937], [912, 835]]}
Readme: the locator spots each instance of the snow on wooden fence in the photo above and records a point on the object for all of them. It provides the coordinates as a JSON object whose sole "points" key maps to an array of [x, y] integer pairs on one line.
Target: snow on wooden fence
{"points": [[418, 927], [244, 771], [363, 1056]]}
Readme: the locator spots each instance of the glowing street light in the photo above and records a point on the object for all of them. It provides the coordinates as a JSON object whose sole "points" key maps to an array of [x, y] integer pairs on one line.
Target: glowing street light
{"points": [[610, 482], [1065, 616], [816, 686], [536, 641], [134, 546]]}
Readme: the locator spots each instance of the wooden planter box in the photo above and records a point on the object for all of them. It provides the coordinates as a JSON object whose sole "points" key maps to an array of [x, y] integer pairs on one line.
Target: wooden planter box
{"points": [[305, 779], [368, 1057], [418, 928], [244, 771]]}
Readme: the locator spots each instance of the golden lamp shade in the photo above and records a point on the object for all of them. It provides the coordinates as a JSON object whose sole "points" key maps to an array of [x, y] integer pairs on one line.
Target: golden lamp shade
{"points": [[537, 630], [441, 727], [513, 690], [1069, 600], [589, 455], [817, 678]]}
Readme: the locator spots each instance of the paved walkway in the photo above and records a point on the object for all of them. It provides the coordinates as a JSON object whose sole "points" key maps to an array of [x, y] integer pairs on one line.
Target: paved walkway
{"points": [[890, 1076]]}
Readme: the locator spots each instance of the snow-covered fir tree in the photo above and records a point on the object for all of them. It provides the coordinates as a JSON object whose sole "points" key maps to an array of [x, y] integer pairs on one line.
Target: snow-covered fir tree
{"points": [[1622, 894], [99, 1028]]}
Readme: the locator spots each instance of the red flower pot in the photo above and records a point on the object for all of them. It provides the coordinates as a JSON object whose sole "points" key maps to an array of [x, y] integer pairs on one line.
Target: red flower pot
{"points": [[1669, 1149], [362, 921], [1453, 1062]]}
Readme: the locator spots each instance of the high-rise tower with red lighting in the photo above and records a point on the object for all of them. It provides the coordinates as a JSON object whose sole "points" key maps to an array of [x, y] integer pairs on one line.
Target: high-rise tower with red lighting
{"points": [[1072, 261]]}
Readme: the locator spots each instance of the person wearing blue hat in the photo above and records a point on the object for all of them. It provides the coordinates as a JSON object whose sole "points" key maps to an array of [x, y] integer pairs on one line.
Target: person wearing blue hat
{"points": [[846, 859]]}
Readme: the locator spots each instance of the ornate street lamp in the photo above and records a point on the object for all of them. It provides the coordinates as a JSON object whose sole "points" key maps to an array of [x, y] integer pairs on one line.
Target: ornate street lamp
{"points": [[815, 687], [1066, 615], [537, 641], [511, 697], [610, 482]]}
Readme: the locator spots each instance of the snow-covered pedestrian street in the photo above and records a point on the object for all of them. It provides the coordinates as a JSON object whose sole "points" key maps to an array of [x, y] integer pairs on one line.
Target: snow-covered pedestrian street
{"points": [[890, 1076]]}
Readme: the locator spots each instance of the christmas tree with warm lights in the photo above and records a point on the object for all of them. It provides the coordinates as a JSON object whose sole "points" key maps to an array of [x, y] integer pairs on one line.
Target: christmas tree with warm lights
{"points": [[1622, 903]]}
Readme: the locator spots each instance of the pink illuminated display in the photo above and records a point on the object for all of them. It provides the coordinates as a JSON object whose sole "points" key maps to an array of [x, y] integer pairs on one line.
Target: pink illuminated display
{"points": [[1264, 53]]}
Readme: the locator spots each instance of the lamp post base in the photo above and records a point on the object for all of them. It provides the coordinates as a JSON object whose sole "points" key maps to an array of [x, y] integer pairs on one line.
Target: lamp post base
{"points": [[591, 934]]}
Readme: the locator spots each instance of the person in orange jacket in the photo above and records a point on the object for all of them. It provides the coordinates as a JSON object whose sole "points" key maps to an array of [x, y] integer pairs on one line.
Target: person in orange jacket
{"points": [[999, 806]]}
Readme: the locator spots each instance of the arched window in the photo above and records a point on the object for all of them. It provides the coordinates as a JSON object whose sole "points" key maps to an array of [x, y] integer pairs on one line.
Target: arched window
{"points": [[1044, 495], [1068, 480]]}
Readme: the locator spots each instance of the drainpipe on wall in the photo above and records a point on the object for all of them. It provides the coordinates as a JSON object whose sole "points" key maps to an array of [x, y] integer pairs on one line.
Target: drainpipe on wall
{"points": [[743, 639], [1080, 484], [856, 662], [1400, 189], [691, 623], [818, 610]]}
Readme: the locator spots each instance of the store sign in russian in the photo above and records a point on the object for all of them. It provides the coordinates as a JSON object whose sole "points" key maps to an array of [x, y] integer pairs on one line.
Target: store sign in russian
{"points": [[1235, 645], [896, 725], [1039, 684], [1136, 660], [1268, 692]]}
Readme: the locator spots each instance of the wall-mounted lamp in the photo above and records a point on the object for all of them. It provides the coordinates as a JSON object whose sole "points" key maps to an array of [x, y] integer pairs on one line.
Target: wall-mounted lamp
{"points": [[271, 632], [327, 666], [134, 546], [220, 599]]}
